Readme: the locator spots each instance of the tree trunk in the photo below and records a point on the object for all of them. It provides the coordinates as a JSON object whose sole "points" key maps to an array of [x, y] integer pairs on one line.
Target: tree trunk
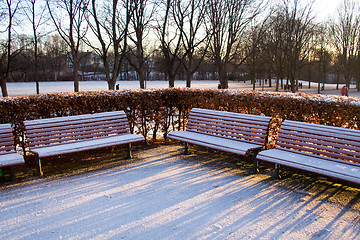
{"points": [[76, 76], [188, 80], [3, 87], [269, 77], [37, 68], [172, 81], [141, 77], [189, 73]]}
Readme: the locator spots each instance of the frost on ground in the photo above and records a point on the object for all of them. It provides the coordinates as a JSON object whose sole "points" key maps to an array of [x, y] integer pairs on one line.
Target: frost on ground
{"points": [[166, 195]]}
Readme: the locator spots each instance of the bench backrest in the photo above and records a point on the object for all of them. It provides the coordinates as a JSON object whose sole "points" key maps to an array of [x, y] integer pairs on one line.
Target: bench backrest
{"points": [[237, 126], [73, 128], [6, 139], [328, 141]]}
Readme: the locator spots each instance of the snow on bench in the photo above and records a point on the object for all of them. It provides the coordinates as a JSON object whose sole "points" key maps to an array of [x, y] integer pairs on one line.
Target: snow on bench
{"points": [[72, 134], [242, 134], [8, 155], [326, 150]]}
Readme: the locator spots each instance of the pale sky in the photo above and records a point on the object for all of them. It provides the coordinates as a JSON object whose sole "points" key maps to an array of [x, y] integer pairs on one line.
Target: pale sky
{"points": [[325, 9]]}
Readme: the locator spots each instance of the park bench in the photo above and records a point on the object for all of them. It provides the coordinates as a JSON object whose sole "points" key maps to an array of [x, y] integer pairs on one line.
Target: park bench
{"points": [[72, 134], [326, 150], [8, 156], [242, 134]]}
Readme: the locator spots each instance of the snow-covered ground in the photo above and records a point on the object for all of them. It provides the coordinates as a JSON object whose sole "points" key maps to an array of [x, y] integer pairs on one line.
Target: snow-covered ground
{"points": [[26, 88], [166, 195]]}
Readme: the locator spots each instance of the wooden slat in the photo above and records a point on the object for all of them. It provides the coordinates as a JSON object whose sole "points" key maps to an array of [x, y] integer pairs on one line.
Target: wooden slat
{"points": [[68, 138], [6, 138], [75, 128], [208, 112], [74, 118], [319, 137], [69, 121], [320, 144], [317, 127], [226, 128], [233, 135], [325, 152], [79, 128], [328, 141], [321, 133], [229, 125], [236, 121]]}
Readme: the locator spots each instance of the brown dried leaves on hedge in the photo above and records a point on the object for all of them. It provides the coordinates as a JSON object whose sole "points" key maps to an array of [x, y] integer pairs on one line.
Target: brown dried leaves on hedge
{"points": [[152, 112]]}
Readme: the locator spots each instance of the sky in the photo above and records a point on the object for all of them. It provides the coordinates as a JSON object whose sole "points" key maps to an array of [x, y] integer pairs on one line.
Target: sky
{"points": [[325, 9]]}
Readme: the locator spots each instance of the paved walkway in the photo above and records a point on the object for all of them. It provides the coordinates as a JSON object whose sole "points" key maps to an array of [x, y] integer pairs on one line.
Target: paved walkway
{"points": [[165, 195]]}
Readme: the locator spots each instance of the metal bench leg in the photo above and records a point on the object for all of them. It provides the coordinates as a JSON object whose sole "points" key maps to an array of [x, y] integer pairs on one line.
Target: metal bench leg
{"points": [[277, 171], [255, 164], [39, 169], [186, 151], [129, 154], [12, 174]]}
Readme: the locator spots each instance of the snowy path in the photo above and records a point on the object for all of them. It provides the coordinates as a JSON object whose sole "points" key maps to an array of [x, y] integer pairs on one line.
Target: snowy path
{"points": [[165, 196]]}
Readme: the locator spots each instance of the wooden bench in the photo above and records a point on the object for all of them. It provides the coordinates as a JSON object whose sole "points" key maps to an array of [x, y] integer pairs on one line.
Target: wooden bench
{"points": [[325, 150], [72, 134], [242, 134], [8, 155]]}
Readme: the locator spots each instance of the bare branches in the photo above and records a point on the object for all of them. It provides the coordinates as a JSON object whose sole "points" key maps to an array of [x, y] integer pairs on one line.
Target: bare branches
{"points": [[69, 18], [346, 38], [143, 13], [11, 9], [227, 21], [110, 25]]}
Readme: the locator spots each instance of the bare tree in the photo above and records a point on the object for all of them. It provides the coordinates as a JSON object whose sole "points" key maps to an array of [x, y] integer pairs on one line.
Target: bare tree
{"points": [[227, 23], [321, 53], [143, 12], [170, 33], [69, 18], [274, 46], [189, 17], [36, 15], [7, 53], [299, 29], [253, 48], [346, 34], [54, 50], [110, 27]]}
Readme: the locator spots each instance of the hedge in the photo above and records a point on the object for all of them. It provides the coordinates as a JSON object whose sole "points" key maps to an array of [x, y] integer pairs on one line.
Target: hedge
{"points": [[155, 112]]}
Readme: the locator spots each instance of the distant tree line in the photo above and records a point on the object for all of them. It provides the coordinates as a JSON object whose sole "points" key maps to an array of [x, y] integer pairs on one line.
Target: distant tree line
{"points": [[42, 40]]}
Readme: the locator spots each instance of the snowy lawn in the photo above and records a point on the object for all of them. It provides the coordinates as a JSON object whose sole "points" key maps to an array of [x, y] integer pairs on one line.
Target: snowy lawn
{"points": [[166, 195]]}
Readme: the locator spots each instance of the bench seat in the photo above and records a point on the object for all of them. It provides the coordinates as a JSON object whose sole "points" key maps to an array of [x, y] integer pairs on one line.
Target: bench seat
{"points": [[11, 158], [215, 142], [315, 164], [326, 150], [72, 147], [238, 133], [8, 156]]}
